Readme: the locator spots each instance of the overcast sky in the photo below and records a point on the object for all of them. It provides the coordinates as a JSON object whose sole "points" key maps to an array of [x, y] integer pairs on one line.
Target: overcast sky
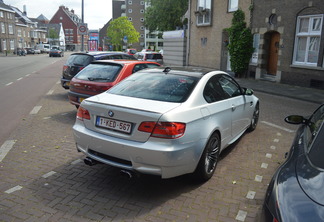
{"points": [[96, 12]]}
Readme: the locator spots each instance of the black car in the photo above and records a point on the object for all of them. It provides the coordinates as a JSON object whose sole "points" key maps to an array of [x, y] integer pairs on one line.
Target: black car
{"points": [[30, 51], [77, 61], [296, 191]]}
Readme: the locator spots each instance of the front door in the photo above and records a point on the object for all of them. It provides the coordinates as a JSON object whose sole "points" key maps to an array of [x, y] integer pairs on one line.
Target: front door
{"points": [[273, 53]]}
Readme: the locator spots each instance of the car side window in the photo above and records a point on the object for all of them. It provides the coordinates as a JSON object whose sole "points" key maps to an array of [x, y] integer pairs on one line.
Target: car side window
{"points": [[213, 91], [230, 87], [139, 67]]}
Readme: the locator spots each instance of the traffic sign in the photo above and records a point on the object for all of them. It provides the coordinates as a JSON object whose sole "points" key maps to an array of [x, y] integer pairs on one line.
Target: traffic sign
{"points": [[82, 29]]}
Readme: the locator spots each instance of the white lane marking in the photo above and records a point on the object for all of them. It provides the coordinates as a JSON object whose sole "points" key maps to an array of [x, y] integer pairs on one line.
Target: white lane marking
{"points": [[11, 190], [264, 165], [250, 195], [27, 75], [241, 215], [279, 127], [51, 173], [273, 147], [35, 110], [76, 162], [269, 155], [20, 79], [50, 92], [8, 84], [258, 178], [5, 148]]}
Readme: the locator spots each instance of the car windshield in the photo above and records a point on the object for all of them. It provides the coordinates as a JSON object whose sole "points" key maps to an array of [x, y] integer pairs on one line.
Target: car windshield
{"points": [[99, 72], [79, 60], [156, 86], [315, 138]]}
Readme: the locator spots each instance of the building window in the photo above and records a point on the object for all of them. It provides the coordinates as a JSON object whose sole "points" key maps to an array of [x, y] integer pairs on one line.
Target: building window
{"points": [[142, 27], [1, 14], [4, 44], [61, 18], [3, 28], [203, 12], [142, 19], [307, 41], [232, 5], [130, 10], [255, 54], [130, 19], [130, 2], [10, 29], [19, 32], [142, 36], [142, 11], [12, 44], [142, 3]]}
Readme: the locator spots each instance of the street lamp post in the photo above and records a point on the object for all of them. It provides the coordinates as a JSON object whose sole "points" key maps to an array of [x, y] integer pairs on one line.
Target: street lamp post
{"points": [[82, 36]]}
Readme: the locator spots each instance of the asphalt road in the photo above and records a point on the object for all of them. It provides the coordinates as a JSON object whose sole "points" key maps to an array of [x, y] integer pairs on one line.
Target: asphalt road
{"points": [[24, 80]]}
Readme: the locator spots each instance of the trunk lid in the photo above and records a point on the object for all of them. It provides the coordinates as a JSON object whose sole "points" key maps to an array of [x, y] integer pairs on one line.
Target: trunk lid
{"points": [[123, 112]]}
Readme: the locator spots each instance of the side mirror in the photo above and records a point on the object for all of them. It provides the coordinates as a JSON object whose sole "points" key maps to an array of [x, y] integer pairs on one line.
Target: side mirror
{"points": [[248, 92], [295, 119]]}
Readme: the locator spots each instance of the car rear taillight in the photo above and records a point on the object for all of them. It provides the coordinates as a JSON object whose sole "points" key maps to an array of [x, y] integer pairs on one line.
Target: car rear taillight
{"points": [[83, 114], [167, 130], [65, 67]]}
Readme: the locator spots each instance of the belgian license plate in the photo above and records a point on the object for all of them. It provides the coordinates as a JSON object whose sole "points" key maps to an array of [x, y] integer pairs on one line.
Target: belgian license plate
{"points": [[114, 124]]}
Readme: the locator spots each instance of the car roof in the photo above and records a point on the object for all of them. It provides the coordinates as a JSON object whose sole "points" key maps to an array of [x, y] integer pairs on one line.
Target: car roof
{"points": [[148, 52], [123, 62], [187, 71], [94, 53]]}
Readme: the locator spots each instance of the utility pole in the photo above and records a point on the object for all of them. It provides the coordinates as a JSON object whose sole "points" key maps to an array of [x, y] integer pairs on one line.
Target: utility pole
{"points": [[82, 36]]}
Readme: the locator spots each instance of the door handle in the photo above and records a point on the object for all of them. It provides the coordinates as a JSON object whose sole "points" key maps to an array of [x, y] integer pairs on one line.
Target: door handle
{"points": [[233, 107]]}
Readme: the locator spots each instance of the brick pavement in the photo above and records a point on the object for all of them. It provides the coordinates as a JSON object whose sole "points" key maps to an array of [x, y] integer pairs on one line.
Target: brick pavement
{"points": [[43, 178]]}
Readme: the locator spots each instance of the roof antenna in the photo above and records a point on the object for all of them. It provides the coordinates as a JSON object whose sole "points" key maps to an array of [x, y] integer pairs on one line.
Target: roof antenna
{"points": [[166, 70]]}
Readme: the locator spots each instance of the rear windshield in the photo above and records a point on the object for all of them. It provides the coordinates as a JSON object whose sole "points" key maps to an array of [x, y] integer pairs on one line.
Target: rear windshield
{"points": [[153, 56], [156, 86], [99, 72], [79, 60]]}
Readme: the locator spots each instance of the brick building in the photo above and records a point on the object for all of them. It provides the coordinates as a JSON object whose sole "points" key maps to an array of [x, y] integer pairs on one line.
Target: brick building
{"points": [[290, 42], [70, 23], [7, 28]]}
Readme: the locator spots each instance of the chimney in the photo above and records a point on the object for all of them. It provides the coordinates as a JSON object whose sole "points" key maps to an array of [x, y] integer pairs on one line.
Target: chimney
{"points": [[25, 12], [72, 10]]}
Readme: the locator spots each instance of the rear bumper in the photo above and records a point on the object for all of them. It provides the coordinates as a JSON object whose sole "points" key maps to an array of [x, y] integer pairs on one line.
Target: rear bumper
{"points": [[166, 159], [76, 98], [65, 83]]}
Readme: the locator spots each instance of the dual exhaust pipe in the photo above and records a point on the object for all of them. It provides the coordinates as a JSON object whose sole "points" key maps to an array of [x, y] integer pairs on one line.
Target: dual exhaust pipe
{"points": [[125, 173]]}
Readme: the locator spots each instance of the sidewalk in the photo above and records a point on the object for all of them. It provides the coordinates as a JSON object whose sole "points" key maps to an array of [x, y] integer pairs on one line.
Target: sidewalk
{"points": [[295, 92]]}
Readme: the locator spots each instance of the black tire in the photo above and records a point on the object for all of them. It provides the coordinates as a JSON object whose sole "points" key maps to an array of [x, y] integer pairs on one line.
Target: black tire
{"points": [[255, 118], [209, 159]]}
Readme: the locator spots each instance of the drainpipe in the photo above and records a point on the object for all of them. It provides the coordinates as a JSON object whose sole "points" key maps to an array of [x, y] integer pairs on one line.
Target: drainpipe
{"points": [[188, 35]]}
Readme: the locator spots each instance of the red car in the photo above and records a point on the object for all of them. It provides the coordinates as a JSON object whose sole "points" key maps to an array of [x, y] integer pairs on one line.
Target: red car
{"points": [[131, 51], [101, 75]]}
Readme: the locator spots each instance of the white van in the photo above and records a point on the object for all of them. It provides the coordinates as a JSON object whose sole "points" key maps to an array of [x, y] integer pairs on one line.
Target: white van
{"points": [[43, 47]]}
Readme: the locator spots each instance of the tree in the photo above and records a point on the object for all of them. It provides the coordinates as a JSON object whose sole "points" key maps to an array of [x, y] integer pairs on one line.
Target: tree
{"points": [[52, 34], [121, 28], [165, 15], [240, 45]]}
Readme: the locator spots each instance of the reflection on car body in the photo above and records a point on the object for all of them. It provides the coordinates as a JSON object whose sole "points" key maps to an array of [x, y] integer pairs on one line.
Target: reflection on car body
{"points": [[296, 191]]}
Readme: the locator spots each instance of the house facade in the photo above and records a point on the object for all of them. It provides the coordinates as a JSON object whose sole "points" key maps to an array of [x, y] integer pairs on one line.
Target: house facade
{"points": [[289, 42], [69, 21], [8, 39], [206, 35]]}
